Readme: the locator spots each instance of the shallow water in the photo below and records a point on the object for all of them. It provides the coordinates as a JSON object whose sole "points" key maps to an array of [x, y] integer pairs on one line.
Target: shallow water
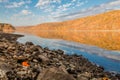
{"points": [[110, 60]]}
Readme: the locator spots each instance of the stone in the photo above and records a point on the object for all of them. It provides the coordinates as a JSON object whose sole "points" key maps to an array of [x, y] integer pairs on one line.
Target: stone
{"points": [[45, 64], [54, 74], [43, 58], [82, 78], [96, 79], [29, 43], [35, 60], [3, 75], [4, 68]]}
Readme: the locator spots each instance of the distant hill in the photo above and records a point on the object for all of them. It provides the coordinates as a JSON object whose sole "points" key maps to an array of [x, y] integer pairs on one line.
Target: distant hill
{"points": [[4, 27], [105, 21], [101, 30]]}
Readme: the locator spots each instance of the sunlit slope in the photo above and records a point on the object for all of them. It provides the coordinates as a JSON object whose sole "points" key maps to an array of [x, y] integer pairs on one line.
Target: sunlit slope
{"points": [[106, 21], [100, 30], [7, 28]]}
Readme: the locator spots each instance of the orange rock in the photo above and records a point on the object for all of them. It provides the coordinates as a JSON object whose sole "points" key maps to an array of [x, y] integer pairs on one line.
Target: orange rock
{"points": [[25, 63], [105, 78]]}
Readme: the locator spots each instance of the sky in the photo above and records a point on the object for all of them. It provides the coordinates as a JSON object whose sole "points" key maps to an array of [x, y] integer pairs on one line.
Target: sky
{"points": [[33, 12]]}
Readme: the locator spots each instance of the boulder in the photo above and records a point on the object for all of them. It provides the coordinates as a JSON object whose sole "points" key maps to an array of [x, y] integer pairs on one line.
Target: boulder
{"points": [[54, 74], [43, 58], [4, 68]]}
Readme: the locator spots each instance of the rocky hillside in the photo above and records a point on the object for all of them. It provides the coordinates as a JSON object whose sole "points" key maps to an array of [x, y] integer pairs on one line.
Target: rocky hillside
{"points": [[6, 28], [105, 21], [100, 30]]}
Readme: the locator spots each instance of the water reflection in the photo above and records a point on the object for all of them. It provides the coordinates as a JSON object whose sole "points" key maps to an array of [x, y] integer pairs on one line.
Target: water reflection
{"points": [[104, 39], [94, 54]]}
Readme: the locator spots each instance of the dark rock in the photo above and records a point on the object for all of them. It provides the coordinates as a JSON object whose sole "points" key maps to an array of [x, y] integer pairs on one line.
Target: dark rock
{"points": [[118, 76], [71, 71], [43, 58], [60, 51], [29, 43]]}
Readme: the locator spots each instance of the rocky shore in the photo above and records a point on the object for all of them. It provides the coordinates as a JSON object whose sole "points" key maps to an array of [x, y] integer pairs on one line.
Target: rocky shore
{"points": [[32, 62]]}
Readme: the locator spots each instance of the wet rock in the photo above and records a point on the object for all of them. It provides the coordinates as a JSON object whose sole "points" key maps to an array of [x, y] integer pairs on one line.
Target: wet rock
{"points": [[59, 51], [29, 43], [118, 76]]}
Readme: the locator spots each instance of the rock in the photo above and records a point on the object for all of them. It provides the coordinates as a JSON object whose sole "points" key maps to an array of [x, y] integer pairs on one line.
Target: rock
{"points": [[3, 75], [33, 62], [43, 58], [71, 71], [40, 50], [4, 68], [118, 76], [60, 51], [96, 79], [84, 76], [54, 74], [29, 43], [21, 72]]}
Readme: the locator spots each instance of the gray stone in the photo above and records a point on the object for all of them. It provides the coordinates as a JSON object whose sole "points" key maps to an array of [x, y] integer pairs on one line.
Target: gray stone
{"points": [[43, 58], [54, 74]]}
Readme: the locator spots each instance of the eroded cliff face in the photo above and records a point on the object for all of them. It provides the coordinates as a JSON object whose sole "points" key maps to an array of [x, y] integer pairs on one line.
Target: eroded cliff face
{"points": [[7, 28], [101, 30]]}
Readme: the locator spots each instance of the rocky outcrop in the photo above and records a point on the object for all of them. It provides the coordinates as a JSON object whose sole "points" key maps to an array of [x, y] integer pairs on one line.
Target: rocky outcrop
{"points": [[55, 73], [32, 62], [7, 28]]}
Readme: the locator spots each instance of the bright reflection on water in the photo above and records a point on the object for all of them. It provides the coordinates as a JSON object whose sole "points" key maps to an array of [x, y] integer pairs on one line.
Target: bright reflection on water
{"points": [[108, 59]]}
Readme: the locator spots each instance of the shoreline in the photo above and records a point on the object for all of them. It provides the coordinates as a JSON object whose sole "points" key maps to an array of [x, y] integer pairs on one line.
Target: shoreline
{"points": [[34, 62], [110, 54]]}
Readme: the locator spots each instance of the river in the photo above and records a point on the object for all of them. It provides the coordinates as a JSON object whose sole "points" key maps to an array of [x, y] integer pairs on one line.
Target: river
{"points": [[110, 60]]}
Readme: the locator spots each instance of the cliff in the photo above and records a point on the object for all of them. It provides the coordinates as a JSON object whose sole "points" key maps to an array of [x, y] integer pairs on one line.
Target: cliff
{"points": [[7, 28], [101, 30]]}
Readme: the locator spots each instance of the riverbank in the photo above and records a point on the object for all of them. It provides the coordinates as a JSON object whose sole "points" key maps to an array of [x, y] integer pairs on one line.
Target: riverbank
{"points": [[33, 62]]}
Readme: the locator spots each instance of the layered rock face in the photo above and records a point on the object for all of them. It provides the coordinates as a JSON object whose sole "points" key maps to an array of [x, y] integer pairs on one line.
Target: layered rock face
{"points": [[7, 28]]}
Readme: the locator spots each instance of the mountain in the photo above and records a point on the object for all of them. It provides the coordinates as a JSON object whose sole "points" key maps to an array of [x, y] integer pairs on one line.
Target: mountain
{"points": [[7, 28], [100, 30]]}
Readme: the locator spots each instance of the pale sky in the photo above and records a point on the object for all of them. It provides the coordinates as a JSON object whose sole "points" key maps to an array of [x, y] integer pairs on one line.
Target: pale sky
{"points": [[33, 12]]}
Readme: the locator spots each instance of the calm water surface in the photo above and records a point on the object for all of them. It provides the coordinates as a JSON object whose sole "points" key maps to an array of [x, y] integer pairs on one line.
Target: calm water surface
{"points": [[110, 60]]}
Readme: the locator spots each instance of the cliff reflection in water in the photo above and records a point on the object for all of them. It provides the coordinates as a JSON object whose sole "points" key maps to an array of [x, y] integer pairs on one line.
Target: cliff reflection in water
{"points": [[105, 39]]}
